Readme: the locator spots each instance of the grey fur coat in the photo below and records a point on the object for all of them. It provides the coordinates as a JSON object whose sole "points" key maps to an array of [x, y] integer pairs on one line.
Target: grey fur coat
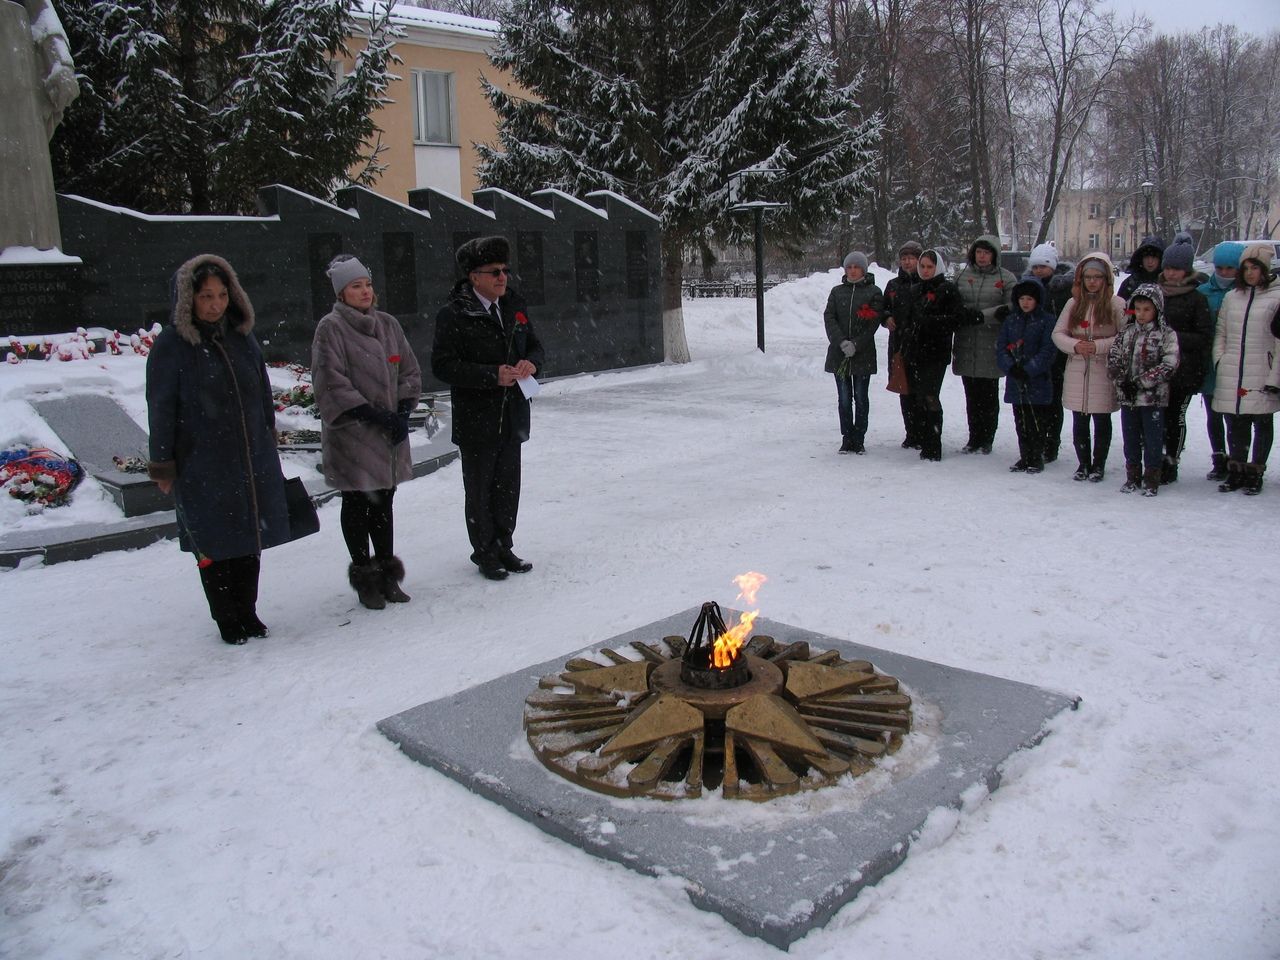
{"points": [[359, 358]]}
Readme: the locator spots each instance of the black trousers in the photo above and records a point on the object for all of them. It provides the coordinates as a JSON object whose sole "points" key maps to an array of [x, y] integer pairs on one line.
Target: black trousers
{"points": [[1054, 413], [491, 489], [1101, 438], [924, 380], [367, 518], [982, 403], [1239, 428], [231, 588], [1029, 420]]}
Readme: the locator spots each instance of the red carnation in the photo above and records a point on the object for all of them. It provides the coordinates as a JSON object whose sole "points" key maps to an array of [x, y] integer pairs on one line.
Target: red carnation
{"points": [[394, 358], [999, 284], [930, 296], [1242, 392], [204, 562], [1084, 323], [865, 312], [521, 318]]}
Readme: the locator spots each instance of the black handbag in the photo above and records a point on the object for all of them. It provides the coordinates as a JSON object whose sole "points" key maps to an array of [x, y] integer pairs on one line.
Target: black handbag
{"points": [[303, 519]]}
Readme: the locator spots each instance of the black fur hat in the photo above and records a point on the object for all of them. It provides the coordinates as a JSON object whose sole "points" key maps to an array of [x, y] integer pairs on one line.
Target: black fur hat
{"points": [[474, 254]]}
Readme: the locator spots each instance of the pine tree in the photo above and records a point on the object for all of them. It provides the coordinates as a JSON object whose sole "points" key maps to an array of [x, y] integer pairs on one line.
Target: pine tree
{"points": [[192, 107], [661, 102]]}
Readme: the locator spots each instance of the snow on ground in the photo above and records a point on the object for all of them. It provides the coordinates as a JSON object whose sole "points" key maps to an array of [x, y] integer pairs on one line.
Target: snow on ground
{"points": [[165, 795]]}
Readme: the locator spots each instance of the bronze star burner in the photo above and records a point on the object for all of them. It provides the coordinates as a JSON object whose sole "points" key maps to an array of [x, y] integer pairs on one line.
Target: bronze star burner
{"points": [[756, 719]]}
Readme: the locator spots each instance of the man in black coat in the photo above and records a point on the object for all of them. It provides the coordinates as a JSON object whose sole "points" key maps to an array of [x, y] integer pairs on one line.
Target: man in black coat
{"points": [[485, 347]]}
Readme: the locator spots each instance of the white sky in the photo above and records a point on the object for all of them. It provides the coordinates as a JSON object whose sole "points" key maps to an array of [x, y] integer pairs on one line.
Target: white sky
{"points": [[1175, 16]]}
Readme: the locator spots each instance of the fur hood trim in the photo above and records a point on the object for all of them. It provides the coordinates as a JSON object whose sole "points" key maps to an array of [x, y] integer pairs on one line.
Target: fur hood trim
{"points": [[239, 309]]}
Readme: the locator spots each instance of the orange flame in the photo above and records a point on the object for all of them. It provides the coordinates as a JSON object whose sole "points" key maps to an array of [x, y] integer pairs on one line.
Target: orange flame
{"points": [[730, 642]]}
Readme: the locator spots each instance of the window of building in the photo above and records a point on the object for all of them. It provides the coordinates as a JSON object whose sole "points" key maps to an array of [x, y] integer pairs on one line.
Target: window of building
{"points": [[1094, 241], [433, 107], [1095, 211], [1116, 240]]}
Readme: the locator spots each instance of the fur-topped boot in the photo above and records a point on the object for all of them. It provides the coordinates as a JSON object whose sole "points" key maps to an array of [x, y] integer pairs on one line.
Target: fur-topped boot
{"points": [[1253, 478], [392, 571], [1235, 477], [366, 580], [1151, 482]]}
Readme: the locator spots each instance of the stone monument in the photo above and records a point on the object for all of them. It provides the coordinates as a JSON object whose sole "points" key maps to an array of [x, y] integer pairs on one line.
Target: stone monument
{"points": [[37, 83]]}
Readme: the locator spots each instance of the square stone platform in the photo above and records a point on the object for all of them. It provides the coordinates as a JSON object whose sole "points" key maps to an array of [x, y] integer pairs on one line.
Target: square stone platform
{"points": [[775, 870]]}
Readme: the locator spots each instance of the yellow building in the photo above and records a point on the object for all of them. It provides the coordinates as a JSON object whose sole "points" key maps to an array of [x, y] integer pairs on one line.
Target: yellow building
{"points": [[439, 109]]}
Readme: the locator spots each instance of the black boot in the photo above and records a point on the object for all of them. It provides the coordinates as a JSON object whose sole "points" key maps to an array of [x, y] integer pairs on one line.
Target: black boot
{"points": [[1169, 471], [1219, 471], [1235, 477], [1253, 478], [220, 590], [511, 563], [366, 580], [1132, 477], [392, 572], [1151, 482]]}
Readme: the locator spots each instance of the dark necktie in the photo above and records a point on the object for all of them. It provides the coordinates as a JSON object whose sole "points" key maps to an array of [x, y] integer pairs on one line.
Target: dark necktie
{"points": [[495, 312]]}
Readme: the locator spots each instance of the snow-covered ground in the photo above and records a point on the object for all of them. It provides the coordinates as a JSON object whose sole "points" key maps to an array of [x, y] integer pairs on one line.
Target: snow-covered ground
{"points": [[165, 795]]}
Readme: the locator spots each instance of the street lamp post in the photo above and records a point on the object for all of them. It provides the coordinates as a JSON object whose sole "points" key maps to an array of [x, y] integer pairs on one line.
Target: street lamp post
{"points": [[737, 188], [1030, 237], [1111, 236], [1147, 187]]}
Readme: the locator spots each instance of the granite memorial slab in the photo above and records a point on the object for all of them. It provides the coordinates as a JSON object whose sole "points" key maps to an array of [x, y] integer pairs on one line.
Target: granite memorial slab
{"points": [[775, 869], [96, 431]]}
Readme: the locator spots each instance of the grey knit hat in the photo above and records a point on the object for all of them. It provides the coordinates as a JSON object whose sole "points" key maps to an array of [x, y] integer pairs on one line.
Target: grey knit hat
{"points": [[474, 254], [856, 258], [345, 269], [1179, 256], [911, 247]]}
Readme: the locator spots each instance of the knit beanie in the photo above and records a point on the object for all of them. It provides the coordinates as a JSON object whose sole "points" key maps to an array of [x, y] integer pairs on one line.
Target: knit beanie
{"points": [[474, 254], [345, 269], [911, 248], [1045, 255], [1178, 256], [1262, 252], [1227, 253], [856, 258]]}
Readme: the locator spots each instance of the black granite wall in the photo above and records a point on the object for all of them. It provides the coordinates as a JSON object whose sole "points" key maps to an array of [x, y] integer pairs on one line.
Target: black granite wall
{"points": [[590, 270]]}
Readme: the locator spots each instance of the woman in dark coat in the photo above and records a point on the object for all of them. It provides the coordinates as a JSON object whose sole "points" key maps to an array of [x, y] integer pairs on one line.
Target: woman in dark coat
{"points": [[367, 381], [924, 325], [213, 443], [1186, 311]]}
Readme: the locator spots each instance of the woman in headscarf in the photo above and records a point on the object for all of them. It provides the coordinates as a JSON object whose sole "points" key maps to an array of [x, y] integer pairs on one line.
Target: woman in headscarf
{"points": [[213, 443], [923, 325]]}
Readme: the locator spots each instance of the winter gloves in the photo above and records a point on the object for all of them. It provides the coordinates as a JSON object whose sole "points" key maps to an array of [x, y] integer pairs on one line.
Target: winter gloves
{"points": [[396, 424], [1018, 372], [848, 348]]}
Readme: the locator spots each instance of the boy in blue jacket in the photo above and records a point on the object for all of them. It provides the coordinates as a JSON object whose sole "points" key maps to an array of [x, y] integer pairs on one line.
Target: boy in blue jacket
{"points": [[1025, 353]]}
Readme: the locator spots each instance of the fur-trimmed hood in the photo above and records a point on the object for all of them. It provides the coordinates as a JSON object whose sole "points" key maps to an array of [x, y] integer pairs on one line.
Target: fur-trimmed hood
{"points": [[182, 295]]}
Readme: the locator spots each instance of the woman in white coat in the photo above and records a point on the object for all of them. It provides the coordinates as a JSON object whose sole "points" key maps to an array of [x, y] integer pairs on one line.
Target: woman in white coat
{"points": [[1245, 359], [1085, 331]]}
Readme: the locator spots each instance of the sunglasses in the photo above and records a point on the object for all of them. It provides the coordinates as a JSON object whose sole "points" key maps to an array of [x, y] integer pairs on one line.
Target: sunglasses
{"points": [[497, 272]]}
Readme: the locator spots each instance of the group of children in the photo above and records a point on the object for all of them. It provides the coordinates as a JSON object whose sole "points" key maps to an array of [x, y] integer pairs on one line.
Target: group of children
{"points": [[1115, 354]]}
